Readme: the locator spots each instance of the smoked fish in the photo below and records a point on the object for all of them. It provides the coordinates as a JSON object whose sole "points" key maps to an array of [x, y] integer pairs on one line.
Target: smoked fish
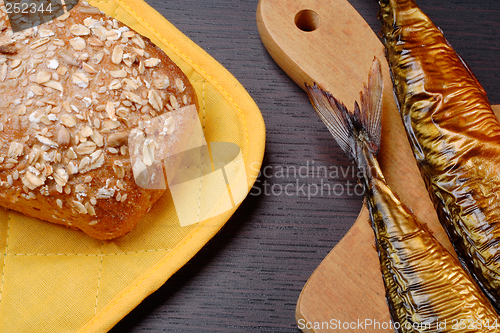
{"points": [[454, 135], [427, 289]]}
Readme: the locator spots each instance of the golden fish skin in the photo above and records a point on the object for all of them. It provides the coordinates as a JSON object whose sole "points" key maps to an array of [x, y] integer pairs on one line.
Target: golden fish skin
{"points": [[454, 135], [427, 289]]}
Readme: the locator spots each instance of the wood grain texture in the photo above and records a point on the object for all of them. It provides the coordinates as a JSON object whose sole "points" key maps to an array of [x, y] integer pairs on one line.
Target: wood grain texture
{"points": [[249, 277]]}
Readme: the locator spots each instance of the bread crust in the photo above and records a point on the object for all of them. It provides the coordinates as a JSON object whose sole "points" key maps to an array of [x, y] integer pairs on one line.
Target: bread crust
{"points": [[71, 90]]}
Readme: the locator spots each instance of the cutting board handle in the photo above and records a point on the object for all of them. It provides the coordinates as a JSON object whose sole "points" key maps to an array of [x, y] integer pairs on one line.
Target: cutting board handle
{"points": [[313, 40]]}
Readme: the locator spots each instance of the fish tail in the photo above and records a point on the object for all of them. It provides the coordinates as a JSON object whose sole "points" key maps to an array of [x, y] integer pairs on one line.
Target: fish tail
{"points": [[363, 126]]}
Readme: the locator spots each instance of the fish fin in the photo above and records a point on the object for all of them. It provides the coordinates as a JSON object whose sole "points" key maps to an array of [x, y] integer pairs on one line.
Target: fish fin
{"points": [[335, 116], [349, 128], [371, 105]]}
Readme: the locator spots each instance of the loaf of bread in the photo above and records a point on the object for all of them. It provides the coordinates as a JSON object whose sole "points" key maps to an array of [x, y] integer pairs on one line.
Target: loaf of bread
{"points": [[71, 91]]}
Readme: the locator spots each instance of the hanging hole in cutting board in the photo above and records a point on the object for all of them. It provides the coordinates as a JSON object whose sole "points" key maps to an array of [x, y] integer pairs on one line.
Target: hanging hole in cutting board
{"points": [[307, 20]]}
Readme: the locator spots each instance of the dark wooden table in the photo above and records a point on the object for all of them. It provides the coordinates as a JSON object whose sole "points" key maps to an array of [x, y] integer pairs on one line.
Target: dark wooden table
{"points": [[249, 276]]}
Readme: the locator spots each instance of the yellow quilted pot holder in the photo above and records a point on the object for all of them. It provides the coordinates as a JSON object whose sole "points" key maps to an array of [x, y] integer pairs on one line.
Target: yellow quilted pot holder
{"points": [[53, 279]]}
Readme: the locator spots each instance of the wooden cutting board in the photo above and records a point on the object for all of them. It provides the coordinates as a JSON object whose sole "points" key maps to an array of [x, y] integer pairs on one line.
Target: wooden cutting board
{"points": [[329, 43]]}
